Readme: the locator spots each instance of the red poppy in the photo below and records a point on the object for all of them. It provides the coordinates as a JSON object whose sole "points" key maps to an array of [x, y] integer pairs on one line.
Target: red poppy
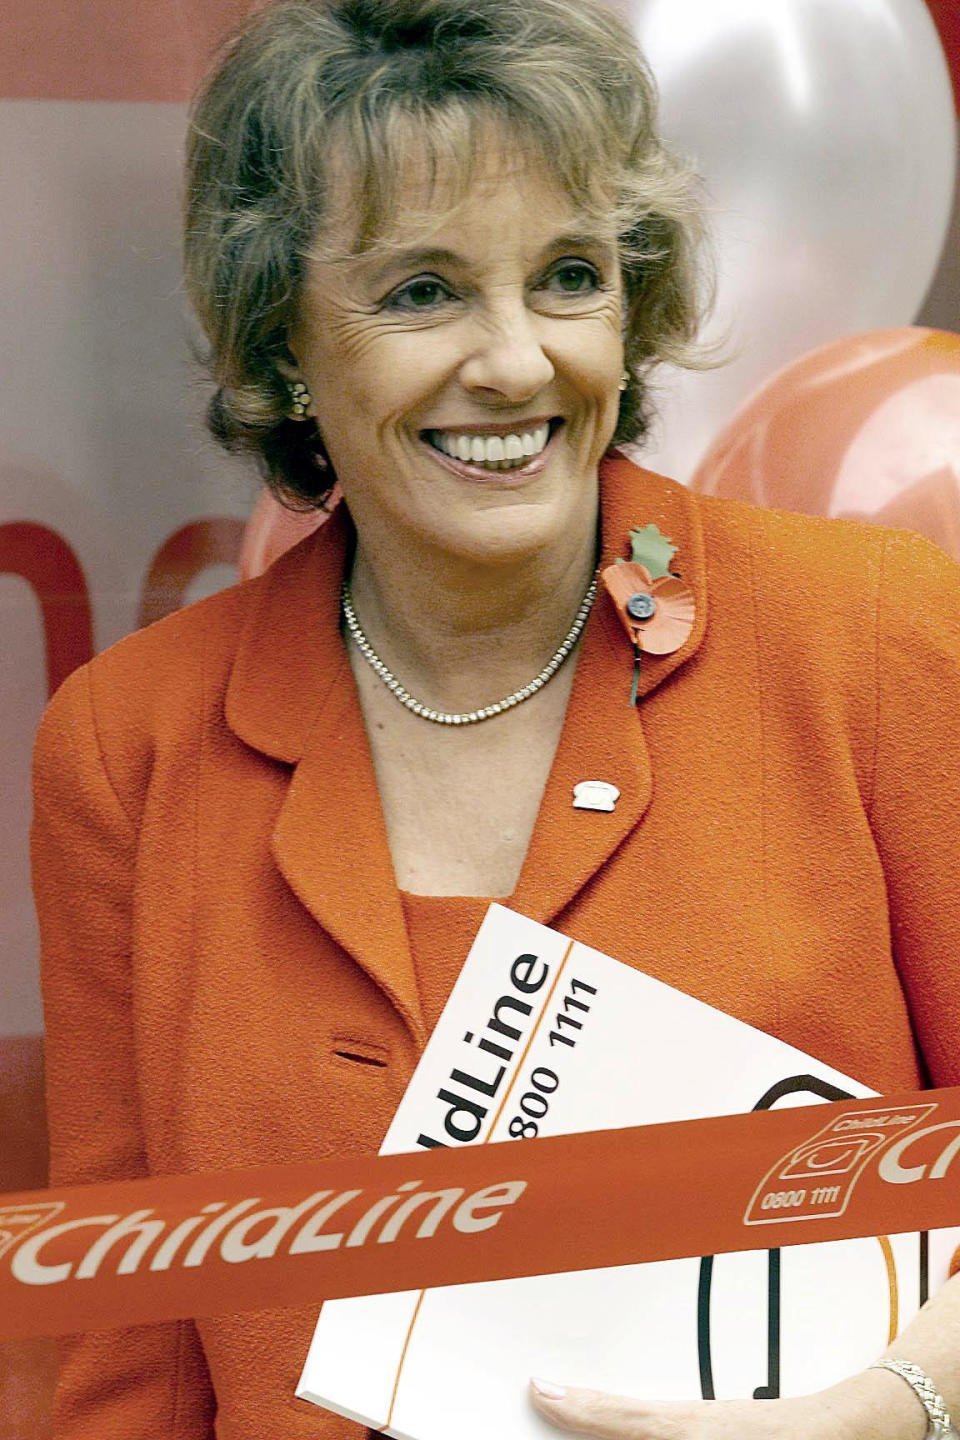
{"points": [[657, 614]]}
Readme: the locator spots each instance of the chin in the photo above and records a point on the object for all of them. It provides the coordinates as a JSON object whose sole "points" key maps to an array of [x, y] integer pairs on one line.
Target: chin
{"points": [[506, 533]]}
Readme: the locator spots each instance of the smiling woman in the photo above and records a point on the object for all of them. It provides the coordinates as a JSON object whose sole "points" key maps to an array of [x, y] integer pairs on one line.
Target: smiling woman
{"points": [[308, 135], [437, 249]]}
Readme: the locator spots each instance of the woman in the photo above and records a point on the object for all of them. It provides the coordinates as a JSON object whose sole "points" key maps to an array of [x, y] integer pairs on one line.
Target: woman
{"points": [[436, 247]]}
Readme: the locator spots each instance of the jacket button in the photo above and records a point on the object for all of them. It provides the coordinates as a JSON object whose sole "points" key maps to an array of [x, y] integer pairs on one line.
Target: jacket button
{"points": [[641, 606]]}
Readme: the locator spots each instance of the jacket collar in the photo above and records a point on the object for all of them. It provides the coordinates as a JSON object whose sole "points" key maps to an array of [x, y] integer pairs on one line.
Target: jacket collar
{"points": [[291, 696], [603, 736]]}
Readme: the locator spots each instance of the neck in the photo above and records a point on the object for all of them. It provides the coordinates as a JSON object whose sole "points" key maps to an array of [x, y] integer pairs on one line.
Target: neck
{"points": [[459, 633]]}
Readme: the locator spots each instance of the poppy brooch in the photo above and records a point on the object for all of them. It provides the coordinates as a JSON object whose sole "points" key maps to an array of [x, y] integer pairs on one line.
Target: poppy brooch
{"points": [[655, 607]]}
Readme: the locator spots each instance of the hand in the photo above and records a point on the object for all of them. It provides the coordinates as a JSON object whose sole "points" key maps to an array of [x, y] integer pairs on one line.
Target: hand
{"points": [[865, 1407]]}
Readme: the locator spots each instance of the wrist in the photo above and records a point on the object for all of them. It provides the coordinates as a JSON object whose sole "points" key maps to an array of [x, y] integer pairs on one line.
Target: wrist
{"points": [[931, 1401], [879, 1405]]}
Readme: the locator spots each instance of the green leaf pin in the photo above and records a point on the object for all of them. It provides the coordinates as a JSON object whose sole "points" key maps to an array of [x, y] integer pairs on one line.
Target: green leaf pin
{"points": [[648, 547]]}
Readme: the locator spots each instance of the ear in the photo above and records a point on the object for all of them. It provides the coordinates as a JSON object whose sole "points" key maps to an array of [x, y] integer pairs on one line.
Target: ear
{"points": [[287, 365]]}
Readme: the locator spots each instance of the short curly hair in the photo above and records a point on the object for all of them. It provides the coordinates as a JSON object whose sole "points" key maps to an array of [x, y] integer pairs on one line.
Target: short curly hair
{"points": [[304, 81]]}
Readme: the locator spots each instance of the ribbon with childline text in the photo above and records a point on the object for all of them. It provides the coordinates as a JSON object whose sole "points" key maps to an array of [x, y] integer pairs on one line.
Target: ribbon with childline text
{"points": [[141, 1251]]}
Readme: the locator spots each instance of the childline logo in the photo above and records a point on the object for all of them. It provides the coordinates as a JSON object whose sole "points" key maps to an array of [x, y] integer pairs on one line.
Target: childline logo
{"points": [[43, 1255], [17, 1221], [815, 1179]]}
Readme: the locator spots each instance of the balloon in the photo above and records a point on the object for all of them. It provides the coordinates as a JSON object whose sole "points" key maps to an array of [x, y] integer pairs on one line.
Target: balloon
{"points": [[946, 13], [868, 427], [272, 529], [826, 135]]}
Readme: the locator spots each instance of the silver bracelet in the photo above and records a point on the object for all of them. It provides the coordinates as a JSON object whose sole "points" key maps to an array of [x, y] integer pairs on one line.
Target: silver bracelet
{"points": [[926, 1392]]}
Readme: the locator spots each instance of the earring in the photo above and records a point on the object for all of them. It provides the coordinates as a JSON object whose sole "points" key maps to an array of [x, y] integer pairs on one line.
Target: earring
{"points": [[624, 380], [299, 400]]}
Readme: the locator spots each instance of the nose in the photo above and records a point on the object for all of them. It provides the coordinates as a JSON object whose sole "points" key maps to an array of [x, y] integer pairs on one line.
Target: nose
{"points": [[506, 357]]}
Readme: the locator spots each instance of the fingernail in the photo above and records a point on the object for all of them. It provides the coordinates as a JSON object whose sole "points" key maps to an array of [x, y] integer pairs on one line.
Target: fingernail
{"points": [[547, 1390]]}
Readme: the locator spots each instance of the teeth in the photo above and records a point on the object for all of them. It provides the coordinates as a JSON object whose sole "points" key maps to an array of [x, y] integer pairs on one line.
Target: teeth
{"points": [[500, 451]]}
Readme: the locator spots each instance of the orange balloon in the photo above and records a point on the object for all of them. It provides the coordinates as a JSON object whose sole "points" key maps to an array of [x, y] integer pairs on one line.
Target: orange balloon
{"points": [[272, 529], [867, 427]]}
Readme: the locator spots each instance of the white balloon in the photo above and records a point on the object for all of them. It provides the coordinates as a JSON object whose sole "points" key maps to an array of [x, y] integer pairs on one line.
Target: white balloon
{"points": [[826, 136]]}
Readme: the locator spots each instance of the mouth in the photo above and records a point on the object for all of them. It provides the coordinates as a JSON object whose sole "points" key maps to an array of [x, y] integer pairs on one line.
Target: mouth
{"points": [[475, 455]]}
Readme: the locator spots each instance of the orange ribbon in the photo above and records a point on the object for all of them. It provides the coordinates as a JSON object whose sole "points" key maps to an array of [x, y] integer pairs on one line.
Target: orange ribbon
{"points": [[140, 1251]]}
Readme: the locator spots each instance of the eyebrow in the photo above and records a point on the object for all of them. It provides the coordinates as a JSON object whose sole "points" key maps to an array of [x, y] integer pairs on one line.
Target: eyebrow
{"points": [[435, 255]]}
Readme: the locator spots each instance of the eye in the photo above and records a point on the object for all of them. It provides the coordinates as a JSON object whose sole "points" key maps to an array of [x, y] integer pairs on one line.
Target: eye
{"points": [[424, 293], [573, 277]]}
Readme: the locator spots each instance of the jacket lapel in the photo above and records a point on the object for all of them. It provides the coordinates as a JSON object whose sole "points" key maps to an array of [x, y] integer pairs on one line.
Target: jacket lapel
{"points": [[603, 735], [292, 696]]}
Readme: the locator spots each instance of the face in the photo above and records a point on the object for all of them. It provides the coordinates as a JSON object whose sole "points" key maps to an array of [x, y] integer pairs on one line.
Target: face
{"points": [[467, 385]]}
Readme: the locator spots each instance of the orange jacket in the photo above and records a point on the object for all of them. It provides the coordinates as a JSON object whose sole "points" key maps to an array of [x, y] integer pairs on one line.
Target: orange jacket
{"points": [[227, 974]]}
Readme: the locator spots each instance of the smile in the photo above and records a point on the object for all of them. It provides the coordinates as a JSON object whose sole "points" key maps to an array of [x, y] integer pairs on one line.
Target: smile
{"points": [[516, 450]]}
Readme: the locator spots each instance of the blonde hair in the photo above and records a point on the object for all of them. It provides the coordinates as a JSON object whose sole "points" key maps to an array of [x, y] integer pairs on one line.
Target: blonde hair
{"points": [[305, 81]]}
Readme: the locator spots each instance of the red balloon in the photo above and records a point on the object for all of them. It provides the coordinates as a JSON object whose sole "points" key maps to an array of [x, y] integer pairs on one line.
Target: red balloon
{"points": [[867, 427], [272, 529], [946, 14], [181, 558]]}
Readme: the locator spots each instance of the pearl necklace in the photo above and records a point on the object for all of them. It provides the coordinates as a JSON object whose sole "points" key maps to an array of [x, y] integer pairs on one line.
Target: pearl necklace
{"points": [[471, 717]]}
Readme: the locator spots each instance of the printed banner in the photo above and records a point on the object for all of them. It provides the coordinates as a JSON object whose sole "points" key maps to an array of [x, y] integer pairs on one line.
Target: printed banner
{"points": [[141, 1251]]}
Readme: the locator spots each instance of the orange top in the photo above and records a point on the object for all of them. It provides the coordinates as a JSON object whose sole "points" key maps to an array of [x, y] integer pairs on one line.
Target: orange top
{"points": [[228, 975], [441, 929]]}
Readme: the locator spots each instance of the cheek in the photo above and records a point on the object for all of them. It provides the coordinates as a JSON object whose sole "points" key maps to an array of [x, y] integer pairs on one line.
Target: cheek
{"points": [[386, 372], [594, 347]]}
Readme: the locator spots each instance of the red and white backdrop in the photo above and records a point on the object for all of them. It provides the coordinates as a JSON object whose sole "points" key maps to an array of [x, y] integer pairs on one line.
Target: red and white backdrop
{"points": [[826, 135]]}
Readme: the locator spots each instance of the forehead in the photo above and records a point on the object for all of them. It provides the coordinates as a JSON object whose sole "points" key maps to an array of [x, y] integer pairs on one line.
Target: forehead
{"points": [[424, 197]]}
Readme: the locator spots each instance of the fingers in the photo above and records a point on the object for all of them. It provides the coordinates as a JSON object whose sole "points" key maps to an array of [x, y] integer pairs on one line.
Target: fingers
{"points": [[619, 1417], [608, 1417]]}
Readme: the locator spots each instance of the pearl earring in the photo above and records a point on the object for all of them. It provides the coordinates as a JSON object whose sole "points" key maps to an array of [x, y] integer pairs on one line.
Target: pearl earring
{"points": [[624, 380], [299, 400]]}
